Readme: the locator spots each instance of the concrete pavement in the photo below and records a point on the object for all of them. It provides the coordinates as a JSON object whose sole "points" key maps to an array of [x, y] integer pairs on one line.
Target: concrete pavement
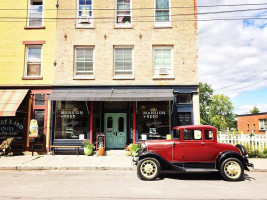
{"points": [[116, 160]]}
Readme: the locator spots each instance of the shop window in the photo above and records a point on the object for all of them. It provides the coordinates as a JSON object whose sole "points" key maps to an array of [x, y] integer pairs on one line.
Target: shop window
{"points": [[84, 61], [163, 66], [39, 100], [263, 124], [192, 134], [33, 61], [121, 124], [184, 98], [12, 127], [39, 116], [162, 13], [71, 120], [35, 13], [123, 63], [208, 135], [85, 13], [184, 119], [123, 13], [154, 119]]}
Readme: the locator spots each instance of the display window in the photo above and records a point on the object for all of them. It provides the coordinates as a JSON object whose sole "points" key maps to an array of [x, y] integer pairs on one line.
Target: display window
{"points": [[71, 120], [154, 119], [12, 127]]}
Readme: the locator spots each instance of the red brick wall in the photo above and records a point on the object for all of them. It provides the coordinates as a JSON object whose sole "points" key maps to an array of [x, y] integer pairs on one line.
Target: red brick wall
{"points": [[244, 121]]}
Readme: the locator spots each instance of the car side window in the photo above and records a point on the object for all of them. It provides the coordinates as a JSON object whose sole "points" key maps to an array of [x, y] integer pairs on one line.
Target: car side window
{"points": [[177, 135], [208, 135], [192, 135]]}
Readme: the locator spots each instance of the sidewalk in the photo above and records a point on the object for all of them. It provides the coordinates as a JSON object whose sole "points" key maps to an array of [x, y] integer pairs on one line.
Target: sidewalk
{"points": [[82, 162]]}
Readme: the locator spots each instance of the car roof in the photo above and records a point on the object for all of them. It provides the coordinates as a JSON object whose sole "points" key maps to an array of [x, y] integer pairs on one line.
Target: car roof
{"points": [[194, 127]]}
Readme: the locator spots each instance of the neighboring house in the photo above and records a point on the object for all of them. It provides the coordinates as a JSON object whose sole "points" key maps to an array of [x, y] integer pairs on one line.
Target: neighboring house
{"points": [[252, 123], [27, 55], [125, 68]]}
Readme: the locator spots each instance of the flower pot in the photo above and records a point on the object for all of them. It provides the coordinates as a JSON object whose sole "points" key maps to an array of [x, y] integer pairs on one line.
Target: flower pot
{"points": [[101, 151], [88, 151]]}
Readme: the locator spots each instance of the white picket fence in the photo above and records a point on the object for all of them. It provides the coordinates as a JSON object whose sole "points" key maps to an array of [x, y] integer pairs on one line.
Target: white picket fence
{"points": [[256, 142]]}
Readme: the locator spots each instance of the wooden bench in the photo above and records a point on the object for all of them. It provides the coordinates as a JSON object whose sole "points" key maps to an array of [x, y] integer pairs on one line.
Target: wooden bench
{"points": [[54, 147]]}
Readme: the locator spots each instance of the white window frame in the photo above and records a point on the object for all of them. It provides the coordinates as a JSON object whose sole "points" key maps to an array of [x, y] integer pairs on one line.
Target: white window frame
{"points": [[264, 128], [26, 60], [85, 25], [162, 24], [114, 61], [123, 25], [75, 67], [171, 73], [29, 10]]}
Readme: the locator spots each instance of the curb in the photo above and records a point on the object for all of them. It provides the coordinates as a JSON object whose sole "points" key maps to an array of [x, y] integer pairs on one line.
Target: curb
{"points": [[36, 168]]}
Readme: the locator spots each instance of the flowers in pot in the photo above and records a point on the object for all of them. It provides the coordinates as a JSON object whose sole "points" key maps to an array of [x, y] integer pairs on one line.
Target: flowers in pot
{"points": [[101, 150], [88, 147], [135, 148]]}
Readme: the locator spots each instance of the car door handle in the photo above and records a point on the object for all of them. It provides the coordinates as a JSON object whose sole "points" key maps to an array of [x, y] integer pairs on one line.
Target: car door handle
{"points": [[202, 143], [173, 144]]}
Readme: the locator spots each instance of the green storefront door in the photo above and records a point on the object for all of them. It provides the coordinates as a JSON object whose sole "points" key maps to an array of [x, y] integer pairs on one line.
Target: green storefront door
{"points": [[115, 129]]}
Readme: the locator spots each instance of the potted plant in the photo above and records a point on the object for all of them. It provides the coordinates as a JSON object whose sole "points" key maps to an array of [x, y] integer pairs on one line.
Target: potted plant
{"points": [[101, 150], [88, 147], [134, 149]]}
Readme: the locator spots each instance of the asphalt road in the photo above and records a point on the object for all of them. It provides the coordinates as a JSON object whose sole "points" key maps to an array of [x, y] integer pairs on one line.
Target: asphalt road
{"points": [[104, 185]]}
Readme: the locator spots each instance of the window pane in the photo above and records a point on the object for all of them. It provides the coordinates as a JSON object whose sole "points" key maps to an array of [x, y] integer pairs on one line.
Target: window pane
{"points": [[121, 124], [118, 66], [128, 66], [184, 98], [36, 14], [192, 135], [39, 99], [34, 69], [208, 135], [34, 54], [84, 61], [162, 16], [119, 54], [110, 122], [127, 55], [39, 116], [162, 4]]}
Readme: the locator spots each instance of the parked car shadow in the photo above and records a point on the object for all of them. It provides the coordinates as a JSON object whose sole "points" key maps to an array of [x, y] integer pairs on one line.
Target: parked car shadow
{"points": [[205, 176]]}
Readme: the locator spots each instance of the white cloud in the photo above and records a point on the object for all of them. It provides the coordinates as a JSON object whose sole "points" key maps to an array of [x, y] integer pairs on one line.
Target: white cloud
{"points": [[232, 51], [246, 108]]}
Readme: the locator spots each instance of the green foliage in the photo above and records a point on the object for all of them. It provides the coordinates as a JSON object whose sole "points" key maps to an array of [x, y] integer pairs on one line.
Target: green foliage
{"points": [[205, 92], [88, 144], [255, 153], [216, 110], [254, 110], [135, 147]]}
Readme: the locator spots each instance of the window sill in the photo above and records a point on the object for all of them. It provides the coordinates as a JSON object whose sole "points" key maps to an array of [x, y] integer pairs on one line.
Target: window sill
{"points": [[123, 27], [158, 25], [34, 27], [83, 78], [165, 78], [163, 27], [32, 78], [84, 27], [123, 78]]}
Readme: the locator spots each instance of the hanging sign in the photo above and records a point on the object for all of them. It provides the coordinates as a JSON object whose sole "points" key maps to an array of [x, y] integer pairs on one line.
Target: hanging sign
{"points": [[33, 128]]}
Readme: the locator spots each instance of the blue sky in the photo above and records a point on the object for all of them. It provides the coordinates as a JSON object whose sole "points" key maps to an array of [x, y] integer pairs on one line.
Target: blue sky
{"points": [[233, 53]]}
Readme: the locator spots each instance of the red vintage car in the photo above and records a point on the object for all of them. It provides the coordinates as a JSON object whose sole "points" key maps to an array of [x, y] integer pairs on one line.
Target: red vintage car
{"points": [[192, 148]]}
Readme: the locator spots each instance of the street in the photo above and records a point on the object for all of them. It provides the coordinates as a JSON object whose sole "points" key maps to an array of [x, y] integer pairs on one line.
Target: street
{"points": [[101, 184]]}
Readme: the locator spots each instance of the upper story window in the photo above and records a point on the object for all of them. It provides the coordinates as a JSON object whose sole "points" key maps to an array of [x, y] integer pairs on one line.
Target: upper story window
{"points": [[163, 66], [84, 62], [123, 62], [35, 13], [162, 13], [123, 13], [263, 124], [33, 64], [84, 13], [184, 98]]}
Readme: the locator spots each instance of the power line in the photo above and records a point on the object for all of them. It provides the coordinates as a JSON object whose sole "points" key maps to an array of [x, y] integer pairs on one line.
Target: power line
{"points": [[177, 7], [242, 80]]}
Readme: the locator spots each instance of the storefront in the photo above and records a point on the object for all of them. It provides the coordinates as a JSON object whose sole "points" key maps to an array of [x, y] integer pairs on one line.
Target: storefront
{"points": [[125, 114], [17, 108]]}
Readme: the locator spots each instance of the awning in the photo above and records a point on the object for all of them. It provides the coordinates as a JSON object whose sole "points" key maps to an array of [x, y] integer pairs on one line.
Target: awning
{"points": [[10, 101], [111, 95]]}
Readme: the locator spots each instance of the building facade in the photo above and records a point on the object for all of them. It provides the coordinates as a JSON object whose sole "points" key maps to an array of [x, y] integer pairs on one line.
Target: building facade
{"points": [[252, 123], [27, 56], [126, 68]]}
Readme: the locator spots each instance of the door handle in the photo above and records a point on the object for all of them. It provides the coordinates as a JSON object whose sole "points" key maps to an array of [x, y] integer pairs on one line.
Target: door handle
{"points": [[173, 144], [202, 143]]}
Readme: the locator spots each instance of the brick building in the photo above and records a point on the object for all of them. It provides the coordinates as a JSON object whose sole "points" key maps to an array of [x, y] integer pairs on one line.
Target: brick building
{"points": [[126, 68], [252, 123]]}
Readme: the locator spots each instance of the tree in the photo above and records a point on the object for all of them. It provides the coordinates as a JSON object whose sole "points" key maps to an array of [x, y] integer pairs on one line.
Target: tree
{"points": [[221, 112], [254, 110], [205, 92]]}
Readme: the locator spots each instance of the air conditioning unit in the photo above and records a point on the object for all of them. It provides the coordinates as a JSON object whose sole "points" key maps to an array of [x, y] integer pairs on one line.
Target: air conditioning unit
{"points": [[163, 71], [84, 20]]}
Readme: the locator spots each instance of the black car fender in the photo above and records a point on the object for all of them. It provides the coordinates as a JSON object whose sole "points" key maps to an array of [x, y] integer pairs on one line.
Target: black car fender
{"points": [[165, 164], [231, 154]]}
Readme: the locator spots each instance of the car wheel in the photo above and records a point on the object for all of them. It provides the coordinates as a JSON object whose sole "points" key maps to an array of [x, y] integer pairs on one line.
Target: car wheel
{"points": [[148, 169], [232, 169]]}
